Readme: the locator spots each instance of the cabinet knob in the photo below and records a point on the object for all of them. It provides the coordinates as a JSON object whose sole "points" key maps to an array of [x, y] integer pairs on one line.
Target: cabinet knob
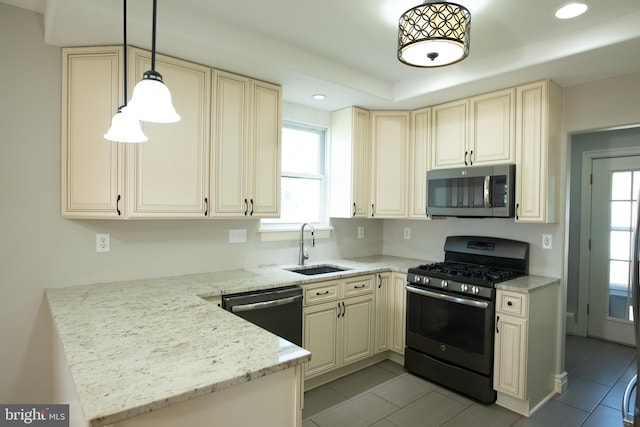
{"points": [[509, 303]]}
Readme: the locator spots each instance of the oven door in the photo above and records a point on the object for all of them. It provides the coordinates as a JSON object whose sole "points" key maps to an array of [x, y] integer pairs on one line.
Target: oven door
{"points": [[452, 328]]}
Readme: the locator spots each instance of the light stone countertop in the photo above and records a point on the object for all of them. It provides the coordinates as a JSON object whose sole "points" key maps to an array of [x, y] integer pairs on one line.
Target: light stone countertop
{"points": [[527, 284], [141, 345]]}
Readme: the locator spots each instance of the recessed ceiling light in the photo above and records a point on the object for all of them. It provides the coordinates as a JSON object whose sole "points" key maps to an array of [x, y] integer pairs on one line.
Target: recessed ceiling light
{"points": [[319, 96], [571, 10]]}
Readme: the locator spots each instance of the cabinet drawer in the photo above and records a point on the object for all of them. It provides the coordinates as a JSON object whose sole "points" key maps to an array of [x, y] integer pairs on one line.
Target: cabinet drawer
{"points": [[321, 292], [358, 286], [512, 303]]}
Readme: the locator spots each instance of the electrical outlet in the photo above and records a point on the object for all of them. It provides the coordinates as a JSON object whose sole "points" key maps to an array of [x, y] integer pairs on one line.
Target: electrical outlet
{"points": [[360, 232], [407, 233], [547, 241], [238, 235], [103, 243]]}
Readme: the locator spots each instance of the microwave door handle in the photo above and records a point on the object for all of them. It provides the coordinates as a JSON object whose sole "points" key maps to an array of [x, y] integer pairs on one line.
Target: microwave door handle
{"points": [[487, 191]]}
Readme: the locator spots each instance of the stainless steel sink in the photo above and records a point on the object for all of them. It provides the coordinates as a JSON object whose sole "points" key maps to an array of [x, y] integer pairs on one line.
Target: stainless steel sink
{"points": [[312, 270]]}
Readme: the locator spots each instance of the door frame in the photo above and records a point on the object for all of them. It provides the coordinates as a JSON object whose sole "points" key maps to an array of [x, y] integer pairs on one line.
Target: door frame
{"points": [[585, 226]]}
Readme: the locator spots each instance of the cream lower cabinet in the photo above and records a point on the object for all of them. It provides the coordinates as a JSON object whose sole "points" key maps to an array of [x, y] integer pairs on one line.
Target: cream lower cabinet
{"points": [[338, 323], [246, 148], [526, 348], [169, 174], [383, 311], [397, 312]]}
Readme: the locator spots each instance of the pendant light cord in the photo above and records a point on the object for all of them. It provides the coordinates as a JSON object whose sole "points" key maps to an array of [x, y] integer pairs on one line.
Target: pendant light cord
{"points": [[124, 46], [153, 39]]}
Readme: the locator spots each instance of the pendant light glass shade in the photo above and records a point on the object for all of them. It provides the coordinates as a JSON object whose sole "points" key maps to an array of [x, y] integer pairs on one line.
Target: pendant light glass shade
{"points": [[151, 100], [434, 34], [125, 128]]}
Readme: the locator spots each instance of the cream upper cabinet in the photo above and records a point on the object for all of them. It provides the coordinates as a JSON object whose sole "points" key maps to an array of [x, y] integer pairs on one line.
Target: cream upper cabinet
{"points": [[92, 177], [538, 133], [449, 134], [419, 143], [169, 174], [349, 163], [474, 131], [390, 171], [492, 128], [246, 148]]}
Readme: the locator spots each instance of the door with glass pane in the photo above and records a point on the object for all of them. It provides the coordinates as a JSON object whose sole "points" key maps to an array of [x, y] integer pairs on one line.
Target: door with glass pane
{"points": [[614, 191]]}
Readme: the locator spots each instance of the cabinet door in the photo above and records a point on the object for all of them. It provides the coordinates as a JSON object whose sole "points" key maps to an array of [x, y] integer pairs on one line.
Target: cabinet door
{"points": [[349, 163], [230, 144], [492, 126], [92, 167], [357, 328], [538, 134], [383, 311], [398, 318], [168, 176], [263, 165], [321, 337], [419, 162], [449, 134], [390, 141], [510, 356]]}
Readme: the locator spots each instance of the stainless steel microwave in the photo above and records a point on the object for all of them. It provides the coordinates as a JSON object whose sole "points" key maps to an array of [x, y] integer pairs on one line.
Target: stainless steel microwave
{"points": [[477, 191]]}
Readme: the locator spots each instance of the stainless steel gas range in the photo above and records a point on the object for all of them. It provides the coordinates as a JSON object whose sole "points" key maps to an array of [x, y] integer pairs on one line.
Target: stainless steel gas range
{"points": [[451, 312]]}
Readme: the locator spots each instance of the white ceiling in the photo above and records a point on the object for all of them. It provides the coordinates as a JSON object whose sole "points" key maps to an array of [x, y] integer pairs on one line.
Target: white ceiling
{"points": [[346, 49]]}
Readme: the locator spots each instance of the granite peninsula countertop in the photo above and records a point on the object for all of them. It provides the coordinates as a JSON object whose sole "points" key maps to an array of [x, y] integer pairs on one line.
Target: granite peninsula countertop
{"points": [[141, 345]]}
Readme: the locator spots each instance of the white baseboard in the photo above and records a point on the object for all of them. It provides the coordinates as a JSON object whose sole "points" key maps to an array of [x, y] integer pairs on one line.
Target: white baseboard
{"points": [[561, 382]]}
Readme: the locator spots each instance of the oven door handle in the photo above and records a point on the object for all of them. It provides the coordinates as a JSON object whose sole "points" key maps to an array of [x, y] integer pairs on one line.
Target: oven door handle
{"points": [[449, 298]]}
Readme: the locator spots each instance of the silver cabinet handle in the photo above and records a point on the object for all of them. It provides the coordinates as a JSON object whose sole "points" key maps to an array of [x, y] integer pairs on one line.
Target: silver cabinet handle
{"points": [[265, 304], [448, 298]]}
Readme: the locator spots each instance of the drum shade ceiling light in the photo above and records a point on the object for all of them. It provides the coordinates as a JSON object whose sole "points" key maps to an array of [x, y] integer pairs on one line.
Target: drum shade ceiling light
{"points": [[151, 99], [434, 34], [125, 127]]}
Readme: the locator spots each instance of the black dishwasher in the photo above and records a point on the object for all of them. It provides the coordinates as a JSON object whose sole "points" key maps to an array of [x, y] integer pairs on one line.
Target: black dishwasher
{"points": [[277, 310]]}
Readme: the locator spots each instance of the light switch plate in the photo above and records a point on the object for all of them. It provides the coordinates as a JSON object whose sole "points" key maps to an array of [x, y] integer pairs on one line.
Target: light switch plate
{"points": [[547, 241], [407, 233], [360, 232], [238, 235]]}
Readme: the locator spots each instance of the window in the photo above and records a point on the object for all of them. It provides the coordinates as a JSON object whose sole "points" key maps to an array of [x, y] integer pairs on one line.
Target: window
{"points": [[303, 176]]}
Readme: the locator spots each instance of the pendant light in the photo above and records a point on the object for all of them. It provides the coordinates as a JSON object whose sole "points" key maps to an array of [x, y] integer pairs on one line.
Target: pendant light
{"points": [[124, 126], [434, 34], [151, 99]]}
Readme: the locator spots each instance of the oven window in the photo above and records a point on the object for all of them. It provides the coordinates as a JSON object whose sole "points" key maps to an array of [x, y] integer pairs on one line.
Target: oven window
{"points": [[448, 323]]}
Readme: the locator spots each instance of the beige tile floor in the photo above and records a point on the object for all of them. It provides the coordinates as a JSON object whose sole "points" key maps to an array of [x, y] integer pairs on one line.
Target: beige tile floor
{"points": [[386, 395]]}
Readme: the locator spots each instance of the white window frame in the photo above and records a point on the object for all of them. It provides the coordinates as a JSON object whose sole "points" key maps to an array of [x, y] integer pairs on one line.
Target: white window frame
{"points": [[272, 229]]}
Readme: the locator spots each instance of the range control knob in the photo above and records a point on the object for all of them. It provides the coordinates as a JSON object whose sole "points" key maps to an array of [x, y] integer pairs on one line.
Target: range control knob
{"points": [[475, 290], [426, 280], [445, 283], [417, 279], [464, 288]]}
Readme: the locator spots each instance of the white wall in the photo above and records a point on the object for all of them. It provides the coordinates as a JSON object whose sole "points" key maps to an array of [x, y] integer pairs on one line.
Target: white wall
{"points": [[39, 249]]}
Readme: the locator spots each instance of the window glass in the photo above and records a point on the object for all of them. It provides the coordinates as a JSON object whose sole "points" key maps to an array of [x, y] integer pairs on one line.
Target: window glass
{"points": [[302, 176]]}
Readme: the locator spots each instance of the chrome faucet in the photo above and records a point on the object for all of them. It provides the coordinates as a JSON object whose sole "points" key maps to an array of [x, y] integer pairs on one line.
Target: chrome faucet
{"points": [[304, 252]]}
